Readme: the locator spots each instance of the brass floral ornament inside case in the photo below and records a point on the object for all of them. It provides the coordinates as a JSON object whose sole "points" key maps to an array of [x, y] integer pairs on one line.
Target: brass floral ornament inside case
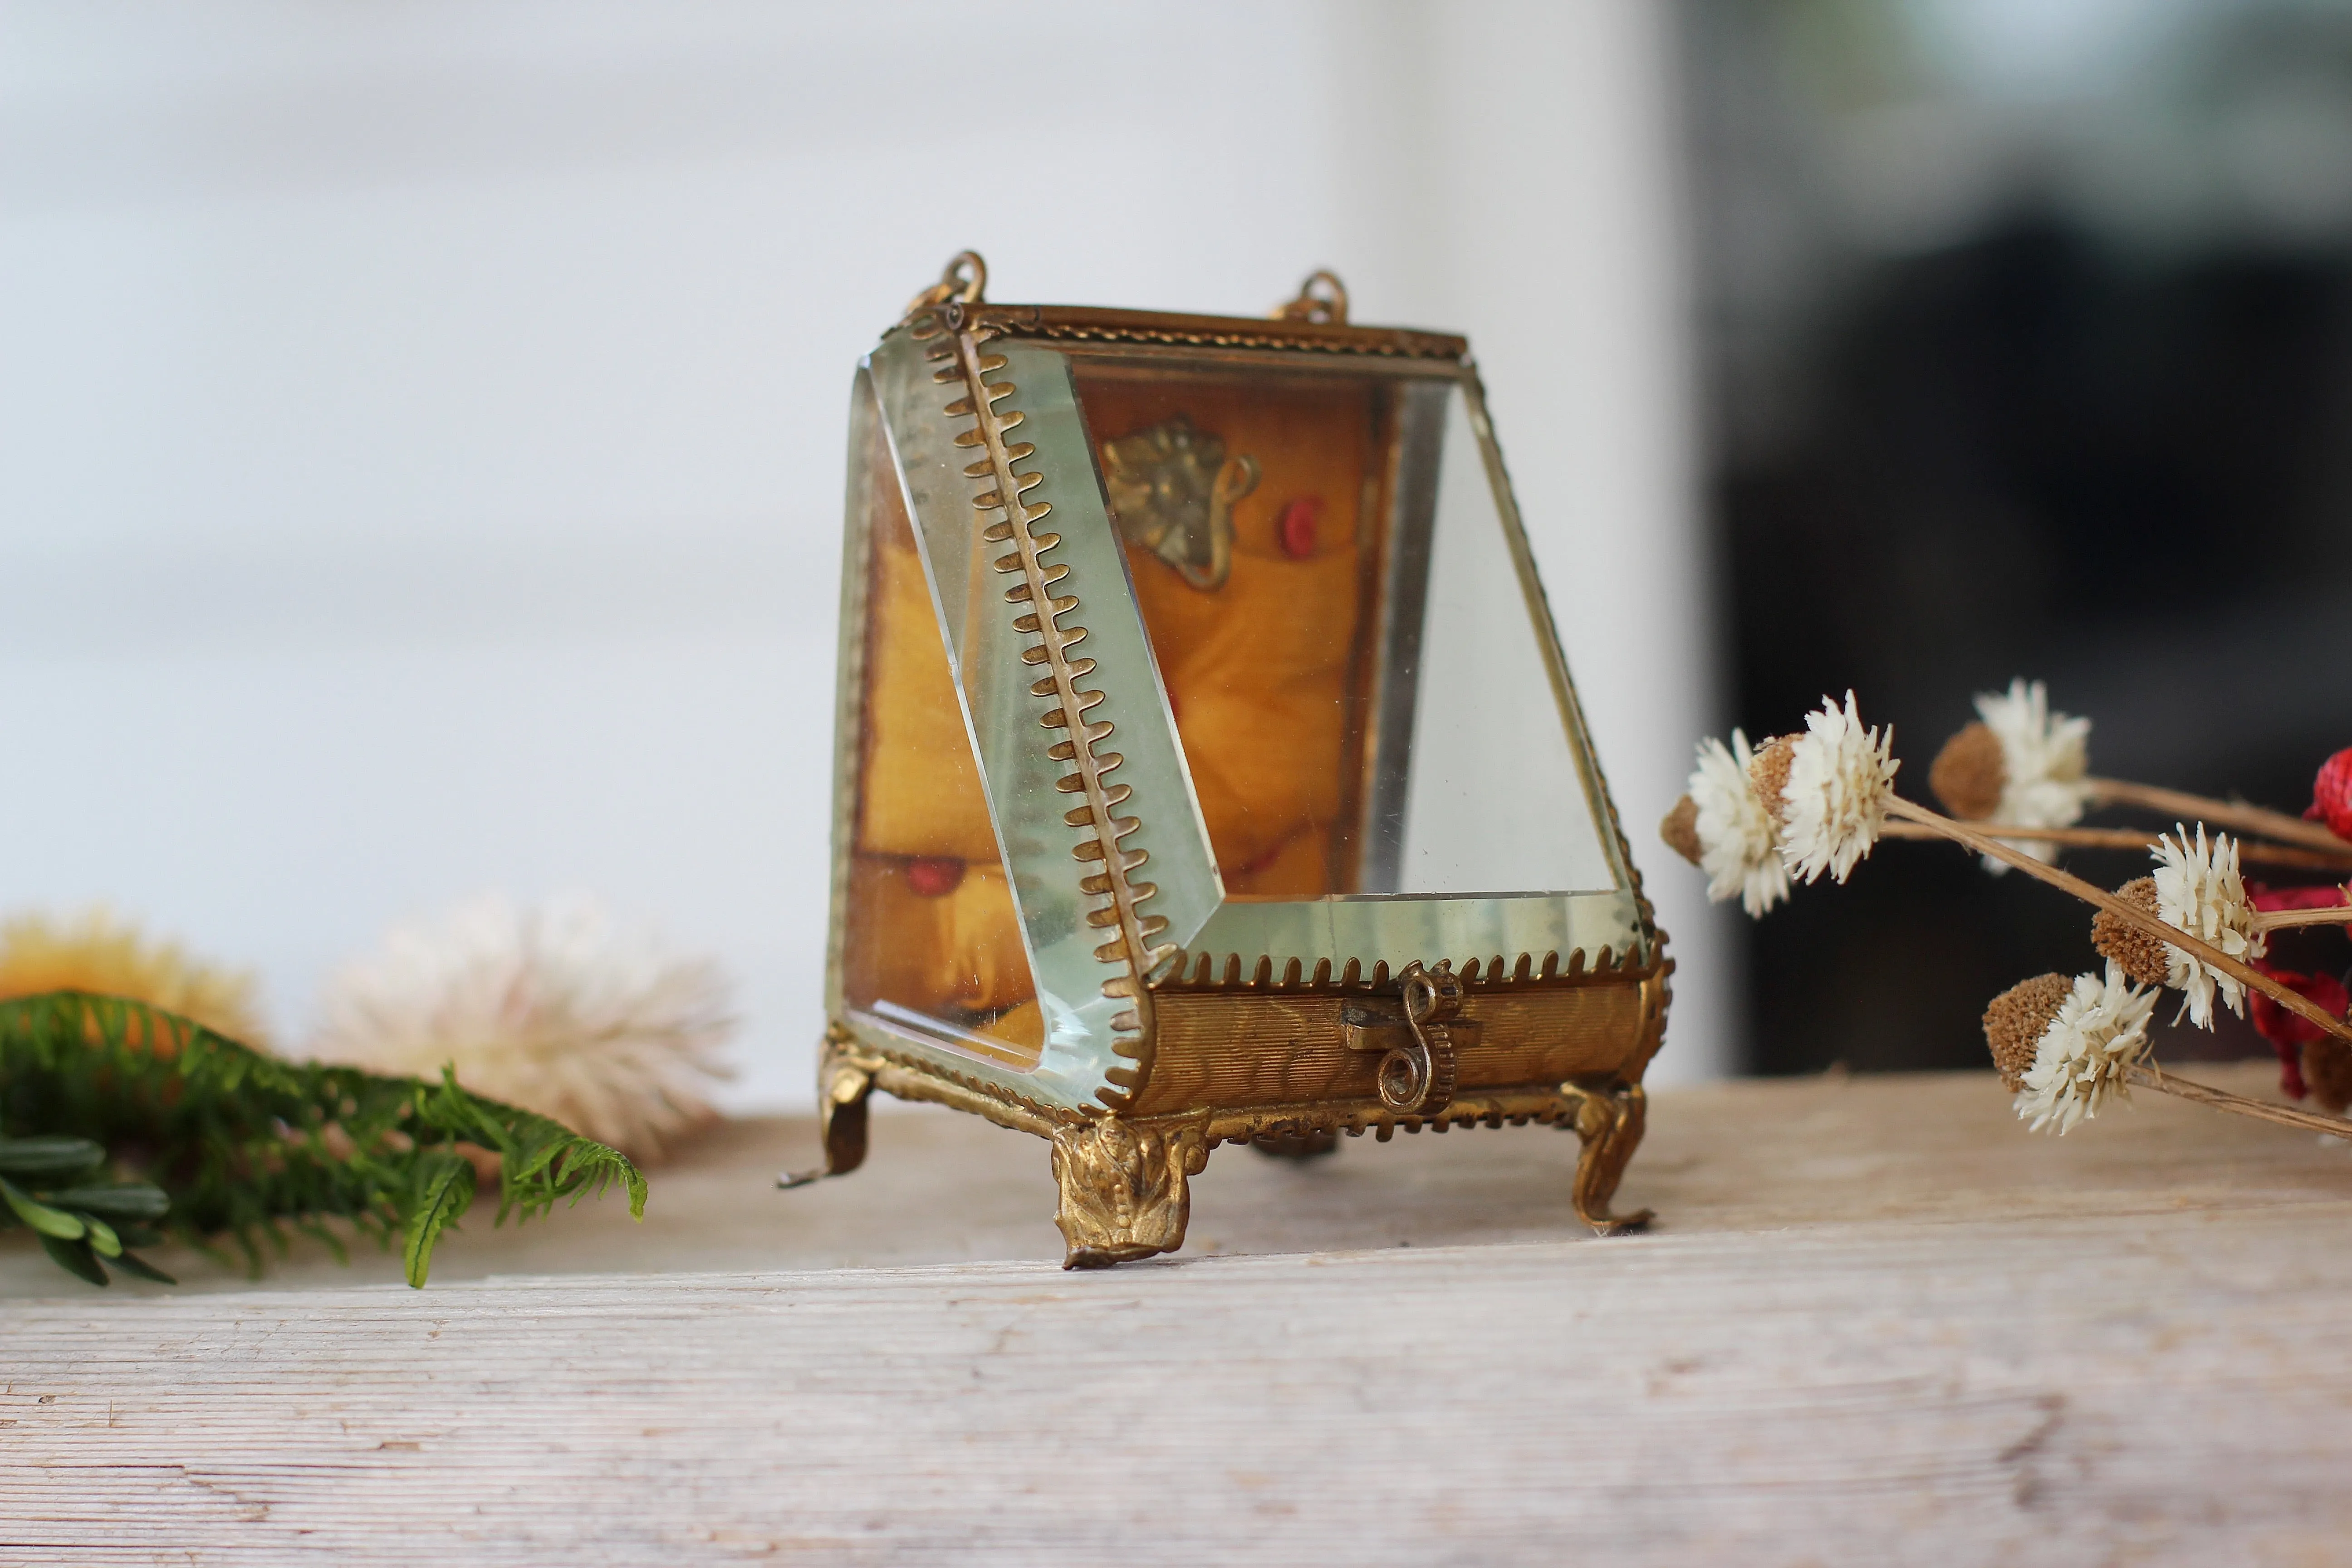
{"points": [[1206, 766]]}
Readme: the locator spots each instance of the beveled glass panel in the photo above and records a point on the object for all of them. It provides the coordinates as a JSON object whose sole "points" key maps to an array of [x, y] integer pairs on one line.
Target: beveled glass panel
{"points": [[933, 941], [1006, 713], [1366, 695], [1495, 799]]}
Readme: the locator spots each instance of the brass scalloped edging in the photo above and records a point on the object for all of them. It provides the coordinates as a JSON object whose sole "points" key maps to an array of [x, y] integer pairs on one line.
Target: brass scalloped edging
{"points": [[1373, 342], [1543, 1104], [974, 1088], [1206, 974], [961, 363]]}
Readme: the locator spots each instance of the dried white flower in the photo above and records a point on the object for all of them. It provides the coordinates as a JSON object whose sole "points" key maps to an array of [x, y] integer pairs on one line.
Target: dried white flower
{"points": [[2045, 761], [1739, 848], [2198, 890], [2098, 1034], [1841, 777], [557, 1011]]}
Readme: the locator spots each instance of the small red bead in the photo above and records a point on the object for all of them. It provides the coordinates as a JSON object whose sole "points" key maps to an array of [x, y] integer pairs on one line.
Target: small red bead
{"points": [[934, 875], [2331, 795], [1296, 527]]}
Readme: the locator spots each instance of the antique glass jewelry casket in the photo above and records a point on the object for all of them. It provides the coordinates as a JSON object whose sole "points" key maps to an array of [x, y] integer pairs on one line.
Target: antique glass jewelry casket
{"points": [[1207, 768]]}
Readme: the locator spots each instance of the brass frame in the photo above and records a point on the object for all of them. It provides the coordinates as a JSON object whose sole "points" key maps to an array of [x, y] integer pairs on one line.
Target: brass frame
{"points": [[1211, 1053]]}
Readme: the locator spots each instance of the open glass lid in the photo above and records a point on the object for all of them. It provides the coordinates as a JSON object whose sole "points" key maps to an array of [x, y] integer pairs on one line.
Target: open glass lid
{"points": [[1318, 694]]}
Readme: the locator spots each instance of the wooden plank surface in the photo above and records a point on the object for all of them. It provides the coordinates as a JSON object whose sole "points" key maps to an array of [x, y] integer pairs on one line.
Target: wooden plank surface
{"points": [[1878, 1323]]}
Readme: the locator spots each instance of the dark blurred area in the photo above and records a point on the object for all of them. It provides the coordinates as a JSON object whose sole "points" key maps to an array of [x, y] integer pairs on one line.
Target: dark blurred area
{"points": [[2028, 336]]}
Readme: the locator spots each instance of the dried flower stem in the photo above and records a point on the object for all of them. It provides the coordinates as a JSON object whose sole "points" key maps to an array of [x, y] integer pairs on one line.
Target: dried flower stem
{"points": [[2131, 914], [2154, 1077], [2249, 850], [2272, 920], [2176, 803]]}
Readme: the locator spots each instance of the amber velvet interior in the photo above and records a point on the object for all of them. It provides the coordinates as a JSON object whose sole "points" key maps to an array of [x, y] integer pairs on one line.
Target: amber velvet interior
{"points": [[931, 924], [1269, 674]]}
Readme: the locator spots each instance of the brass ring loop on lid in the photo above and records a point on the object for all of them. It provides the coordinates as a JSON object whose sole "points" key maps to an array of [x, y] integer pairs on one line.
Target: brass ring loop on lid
{"points": [[1322, 298], [962, 280], [966, 277]]}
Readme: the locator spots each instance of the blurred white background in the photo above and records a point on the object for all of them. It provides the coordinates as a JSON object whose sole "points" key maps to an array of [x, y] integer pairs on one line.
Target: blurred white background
{"points": [[421, 425]]}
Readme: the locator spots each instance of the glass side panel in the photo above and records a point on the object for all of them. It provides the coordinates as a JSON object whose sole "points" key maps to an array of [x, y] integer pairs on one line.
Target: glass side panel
{"points": [[1495, 800], [932, 939], [1363, 696]]}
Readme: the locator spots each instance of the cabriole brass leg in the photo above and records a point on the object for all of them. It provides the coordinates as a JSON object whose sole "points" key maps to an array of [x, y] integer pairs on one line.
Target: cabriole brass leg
{"points": [[843, 1087], [1610, 1122], [1124, 1189]]}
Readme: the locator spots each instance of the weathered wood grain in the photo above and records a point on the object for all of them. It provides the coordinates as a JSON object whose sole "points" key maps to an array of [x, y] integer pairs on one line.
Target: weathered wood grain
{"points": [[1880, 1326]]}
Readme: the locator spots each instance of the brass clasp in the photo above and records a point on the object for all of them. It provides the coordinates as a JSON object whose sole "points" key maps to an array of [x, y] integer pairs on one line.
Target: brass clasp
{"points": [[1417, 1074]]}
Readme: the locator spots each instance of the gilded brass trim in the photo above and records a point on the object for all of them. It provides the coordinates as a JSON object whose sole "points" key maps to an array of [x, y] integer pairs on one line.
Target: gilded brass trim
{"points": [[1243, 1051], [893, 1066], [911, 1080], [1084, 323], [1101, 829], [1260, 975]]}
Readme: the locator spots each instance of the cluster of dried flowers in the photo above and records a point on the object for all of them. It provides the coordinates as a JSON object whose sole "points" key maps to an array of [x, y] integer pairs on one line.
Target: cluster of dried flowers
{"points": [[560, 1010], [2018, 784]]}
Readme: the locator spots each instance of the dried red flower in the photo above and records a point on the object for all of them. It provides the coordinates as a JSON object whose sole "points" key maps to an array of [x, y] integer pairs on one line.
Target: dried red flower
{"points": [[2289, 1034], [2331, 795]]}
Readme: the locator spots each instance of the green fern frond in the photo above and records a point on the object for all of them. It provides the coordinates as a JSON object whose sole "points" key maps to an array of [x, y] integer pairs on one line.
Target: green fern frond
{"points": [[222, 1144]]}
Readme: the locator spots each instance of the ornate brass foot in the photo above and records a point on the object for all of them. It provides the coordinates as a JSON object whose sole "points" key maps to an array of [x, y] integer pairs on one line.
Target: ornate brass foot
{"points": [[1124, 1192], [843, 1084], [1610, 1122]]}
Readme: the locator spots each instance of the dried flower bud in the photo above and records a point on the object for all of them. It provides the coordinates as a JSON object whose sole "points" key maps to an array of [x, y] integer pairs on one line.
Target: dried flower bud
{"points": [[1680, 830], [2328, 1072], [1769, 773], [2137, 952], [2016, 1020], [1968, 774]]}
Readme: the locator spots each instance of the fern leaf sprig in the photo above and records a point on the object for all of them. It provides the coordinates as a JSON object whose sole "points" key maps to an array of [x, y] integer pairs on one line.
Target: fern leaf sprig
{"points": [[242, 1146], [84, 1223]]}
